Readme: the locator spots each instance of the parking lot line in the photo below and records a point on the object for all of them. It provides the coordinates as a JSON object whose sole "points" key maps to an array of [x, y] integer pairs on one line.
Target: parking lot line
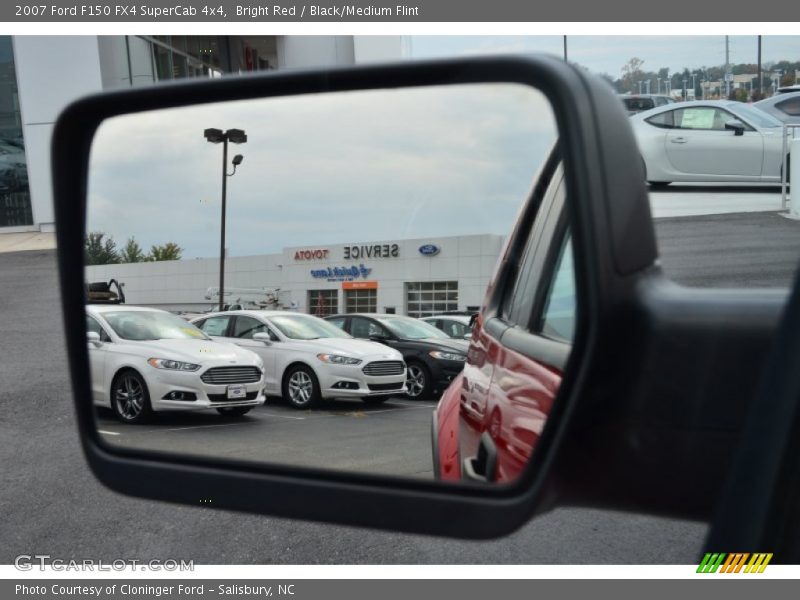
{"points": [[210, 426]]}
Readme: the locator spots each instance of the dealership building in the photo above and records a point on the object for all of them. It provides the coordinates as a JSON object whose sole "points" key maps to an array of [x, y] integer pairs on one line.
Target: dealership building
{"points": [[419, 277], [40, 75]]}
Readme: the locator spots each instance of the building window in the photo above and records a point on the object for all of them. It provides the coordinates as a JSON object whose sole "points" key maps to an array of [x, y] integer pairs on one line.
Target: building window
{"points": [[15, 198], [322, 303], [428, 298], [365, 301]]}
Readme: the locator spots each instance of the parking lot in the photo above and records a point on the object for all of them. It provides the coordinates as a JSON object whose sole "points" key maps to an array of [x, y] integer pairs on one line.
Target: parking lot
{"points": [[390, 438], [52, 504]]}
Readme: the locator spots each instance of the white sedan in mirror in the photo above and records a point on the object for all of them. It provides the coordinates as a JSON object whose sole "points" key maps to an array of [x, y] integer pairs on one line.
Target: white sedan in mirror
{"points": [[144, 360], [306, 359], [712, 140]]}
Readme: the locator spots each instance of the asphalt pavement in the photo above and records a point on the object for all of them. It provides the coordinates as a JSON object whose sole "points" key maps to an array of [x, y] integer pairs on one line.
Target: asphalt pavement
{"points": [[51, 504]]}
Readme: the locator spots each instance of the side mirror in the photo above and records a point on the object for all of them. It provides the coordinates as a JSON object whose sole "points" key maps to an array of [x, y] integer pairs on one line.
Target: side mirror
{"points": [[635, 403], [467, 336], [736, 126], [262, 337], [93, 338]]}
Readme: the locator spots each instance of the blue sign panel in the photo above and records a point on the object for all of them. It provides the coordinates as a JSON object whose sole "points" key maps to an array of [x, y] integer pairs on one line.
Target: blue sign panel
{"points": [[429, 250], [341, 273]]}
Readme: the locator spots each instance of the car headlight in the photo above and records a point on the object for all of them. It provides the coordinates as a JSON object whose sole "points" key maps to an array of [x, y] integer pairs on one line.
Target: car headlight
{"points": [[447, 356], [172, 365], [338, 359]]}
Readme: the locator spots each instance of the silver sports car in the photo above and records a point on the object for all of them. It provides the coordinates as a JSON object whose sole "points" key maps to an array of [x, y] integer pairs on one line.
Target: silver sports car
{"points": [[714, 140]]}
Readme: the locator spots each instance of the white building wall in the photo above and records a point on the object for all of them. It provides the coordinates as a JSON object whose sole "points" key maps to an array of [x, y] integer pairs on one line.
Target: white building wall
{"points": [[181, 285], [377, 48], [51, 71], [315, 51]]}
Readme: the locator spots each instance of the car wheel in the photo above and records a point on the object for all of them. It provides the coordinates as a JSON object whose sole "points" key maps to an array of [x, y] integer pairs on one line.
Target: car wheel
{"points": [[301, 388], [418, 381], [375, 399], [234, 411], [130, 398]]}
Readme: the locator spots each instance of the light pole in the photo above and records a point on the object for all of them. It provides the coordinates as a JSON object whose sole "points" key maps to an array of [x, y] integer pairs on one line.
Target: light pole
{"points": [[216, 136], [659, 85]]}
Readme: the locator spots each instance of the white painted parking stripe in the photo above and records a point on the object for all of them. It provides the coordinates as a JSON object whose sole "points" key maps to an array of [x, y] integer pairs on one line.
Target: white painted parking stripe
{"points": [[108, 432], [270, 414], [210, 426]]}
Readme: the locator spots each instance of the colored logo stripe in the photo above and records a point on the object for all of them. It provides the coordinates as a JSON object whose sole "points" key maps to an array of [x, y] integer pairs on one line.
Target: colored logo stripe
{"points": [[734, 563], [710, 563]]}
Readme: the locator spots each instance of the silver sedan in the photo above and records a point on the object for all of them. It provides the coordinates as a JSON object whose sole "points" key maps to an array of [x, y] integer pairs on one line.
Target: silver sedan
{"points": [[714, 140]]}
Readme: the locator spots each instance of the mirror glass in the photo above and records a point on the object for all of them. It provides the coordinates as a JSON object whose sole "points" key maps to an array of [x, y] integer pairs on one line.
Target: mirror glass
{"points": [[294, 280]]}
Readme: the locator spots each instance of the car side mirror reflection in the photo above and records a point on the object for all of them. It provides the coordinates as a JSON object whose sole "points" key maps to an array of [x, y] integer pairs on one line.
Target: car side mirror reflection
{"points": [[263, 337], [305, 270], [736, 126]]}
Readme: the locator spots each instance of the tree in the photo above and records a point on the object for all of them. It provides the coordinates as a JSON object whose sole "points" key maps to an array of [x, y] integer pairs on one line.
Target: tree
{"points": [[99, 252], [168, 251], [132, 252], [632, 74]]}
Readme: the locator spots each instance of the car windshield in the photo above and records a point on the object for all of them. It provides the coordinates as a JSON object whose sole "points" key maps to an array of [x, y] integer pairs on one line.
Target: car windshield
{"points": [[151, 325], [639, 103], [306, 327], [757, 116], [411, 329]]}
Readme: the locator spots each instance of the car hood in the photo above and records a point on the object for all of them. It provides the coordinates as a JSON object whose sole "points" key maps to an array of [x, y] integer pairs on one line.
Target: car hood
{"points": [[199, 351], [348, 347]]}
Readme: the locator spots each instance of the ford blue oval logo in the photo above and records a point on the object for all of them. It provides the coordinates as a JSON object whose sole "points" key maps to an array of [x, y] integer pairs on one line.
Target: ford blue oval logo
{"points": [[429, 250]]}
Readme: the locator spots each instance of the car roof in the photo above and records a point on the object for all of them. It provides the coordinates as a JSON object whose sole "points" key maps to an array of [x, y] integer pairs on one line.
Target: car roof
{"points": [[104, 308], [459, 318], [730, 104], [370, 315], [772, 100], [254, 312]]}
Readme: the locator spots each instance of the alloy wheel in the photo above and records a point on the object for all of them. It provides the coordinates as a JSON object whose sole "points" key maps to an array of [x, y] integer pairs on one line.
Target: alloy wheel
{"points": [[129, 397], [415, 381], [301, 388]]}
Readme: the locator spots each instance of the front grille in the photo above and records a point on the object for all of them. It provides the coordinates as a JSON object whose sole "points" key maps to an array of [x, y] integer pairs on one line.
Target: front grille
{"points": [[382, 368], [224, 397], [227, 375], [384, 387]]}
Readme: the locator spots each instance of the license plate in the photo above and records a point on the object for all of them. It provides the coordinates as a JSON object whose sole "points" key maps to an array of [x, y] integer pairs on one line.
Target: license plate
{"points": [[236, 392]]}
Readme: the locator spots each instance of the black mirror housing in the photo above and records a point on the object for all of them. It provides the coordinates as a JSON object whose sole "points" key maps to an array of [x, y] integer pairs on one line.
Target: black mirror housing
{"points": [[627, 314]]}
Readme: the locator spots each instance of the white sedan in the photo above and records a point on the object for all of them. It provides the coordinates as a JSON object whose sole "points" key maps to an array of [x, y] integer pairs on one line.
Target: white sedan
{"points": [[710, 141], [306, 359], [144, 360]]}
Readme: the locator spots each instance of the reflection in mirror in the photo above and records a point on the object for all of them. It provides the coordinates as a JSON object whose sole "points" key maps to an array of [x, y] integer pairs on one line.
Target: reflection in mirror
{"points": [[359, 232]]}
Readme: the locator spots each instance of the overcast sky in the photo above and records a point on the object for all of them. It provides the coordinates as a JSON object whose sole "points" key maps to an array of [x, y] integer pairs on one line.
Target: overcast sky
{"points": [[359, 167], [607, 54], [324, 169]]}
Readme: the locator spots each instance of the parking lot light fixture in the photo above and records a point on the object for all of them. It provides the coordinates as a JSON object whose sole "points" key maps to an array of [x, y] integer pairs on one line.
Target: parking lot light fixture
{"points": [[217, 136]]}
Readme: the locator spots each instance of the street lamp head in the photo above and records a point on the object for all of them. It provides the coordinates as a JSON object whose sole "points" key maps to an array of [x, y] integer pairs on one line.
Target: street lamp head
{"points": [[215, 136], [237, 160], [237, 136]]}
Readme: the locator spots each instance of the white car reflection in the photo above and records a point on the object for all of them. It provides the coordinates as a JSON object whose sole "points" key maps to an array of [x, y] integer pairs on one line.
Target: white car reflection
{"points": [[306, 359], [144, 360]]}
